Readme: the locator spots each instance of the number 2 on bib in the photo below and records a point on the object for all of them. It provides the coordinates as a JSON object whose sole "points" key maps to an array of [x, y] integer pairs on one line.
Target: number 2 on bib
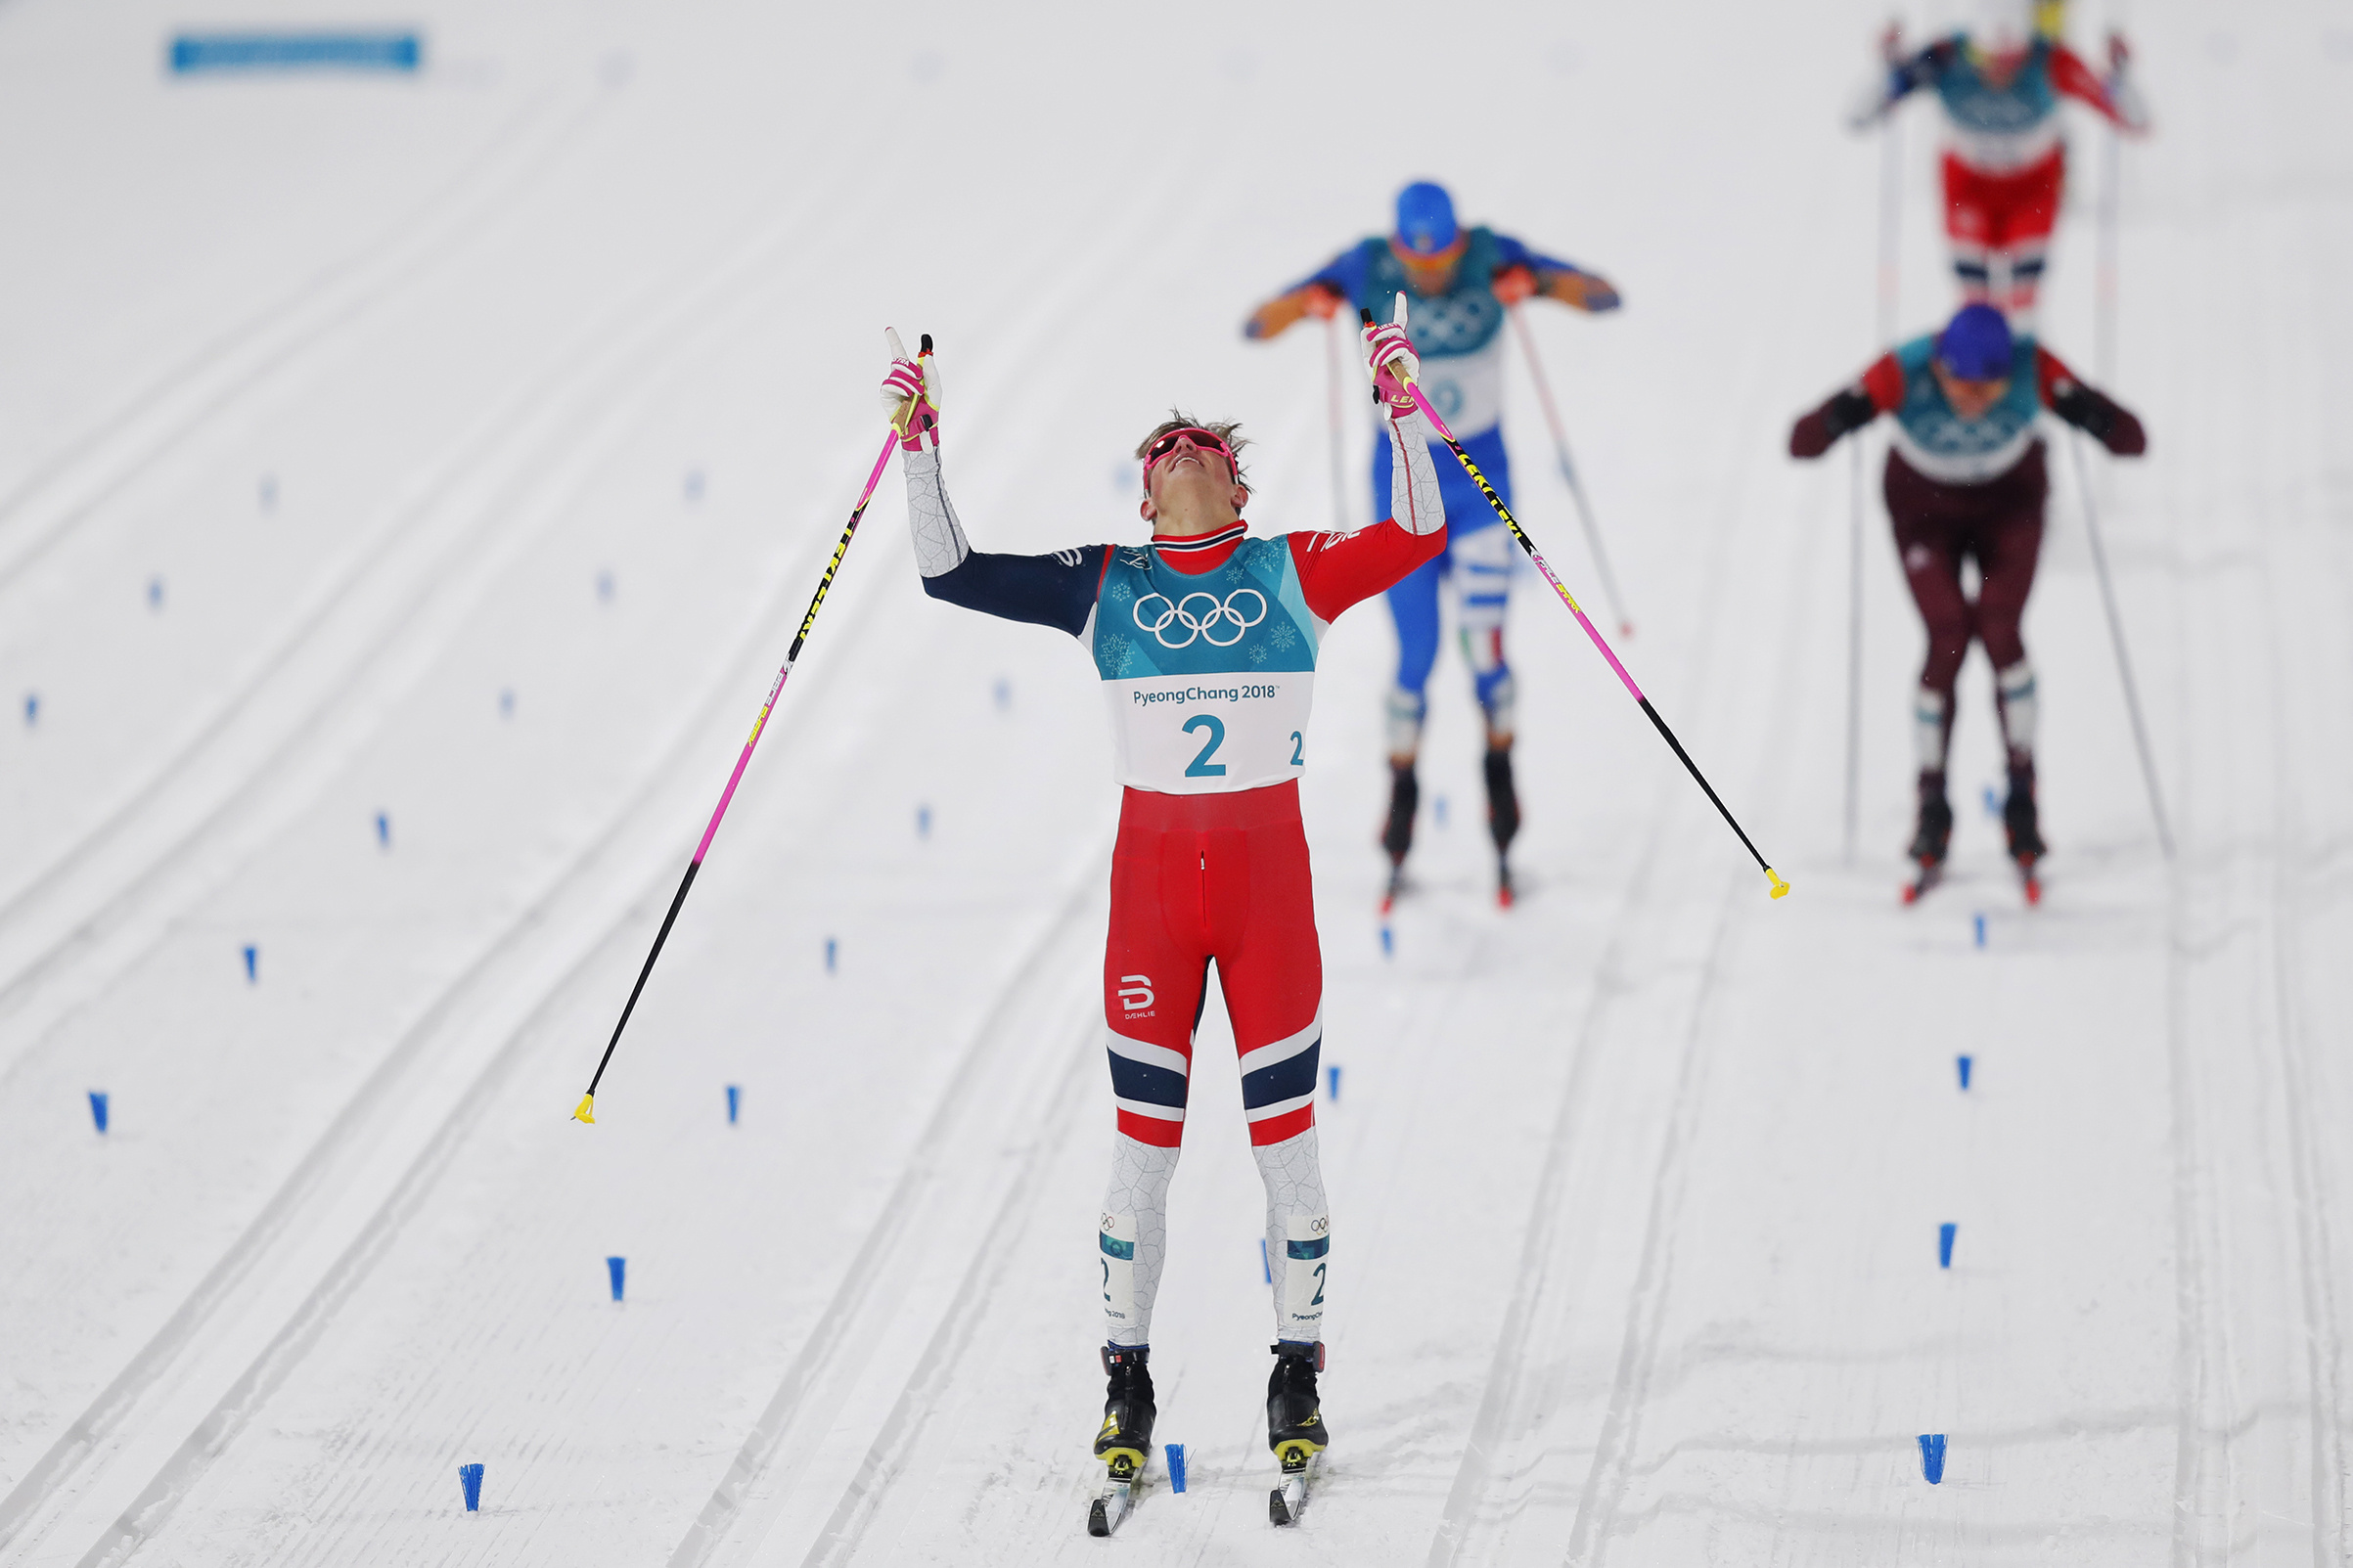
{"points": [[1201, 767]]}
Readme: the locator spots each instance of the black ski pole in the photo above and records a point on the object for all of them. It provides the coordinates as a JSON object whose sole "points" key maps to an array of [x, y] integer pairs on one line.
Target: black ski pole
{"points": [[587, 1109], [1780, 886]]}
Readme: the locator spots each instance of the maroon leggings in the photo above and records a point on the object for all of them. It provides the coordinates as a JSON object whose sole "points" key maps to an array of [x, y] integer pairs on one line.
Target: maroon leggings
{"points": [[1937, 524]]}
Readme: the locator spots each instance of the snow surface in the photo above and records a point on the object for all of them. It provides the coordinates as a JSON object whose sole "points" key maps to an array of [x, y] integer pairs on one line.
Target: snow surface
{"points": [[465, 449]]}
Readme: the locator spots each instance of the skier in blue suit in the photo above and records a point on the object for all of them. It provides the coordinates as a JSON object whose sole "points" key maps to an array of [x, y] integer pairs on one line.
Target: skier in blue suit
{"points": [[1460, 282]]}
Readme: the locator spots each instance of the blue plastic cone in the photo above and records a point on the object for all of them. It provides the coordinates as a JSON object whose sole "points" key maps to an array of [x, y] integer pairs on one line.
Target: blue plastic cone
{"points": [[384, 828], [98, 1108], [735, 1103], [1388, 945], [832, 951], [1931, 1456], [253, 963], [1965, 1071], [469, 1476], [1944, 1243], [1176, 1465], [1981, 931], [616, 1266]]}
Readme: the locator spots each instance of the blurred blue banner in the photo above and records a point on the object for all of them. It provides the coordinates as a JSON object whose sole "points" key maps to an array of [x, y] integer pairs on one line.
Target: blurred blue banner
{"points": [[296, 51]]}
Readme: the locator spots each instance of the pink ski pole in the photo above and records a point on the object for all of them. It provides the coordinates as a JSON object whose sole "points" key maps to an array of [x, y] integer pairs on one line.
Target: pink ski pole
{"points": [[587, 1109], [1527, 544]]}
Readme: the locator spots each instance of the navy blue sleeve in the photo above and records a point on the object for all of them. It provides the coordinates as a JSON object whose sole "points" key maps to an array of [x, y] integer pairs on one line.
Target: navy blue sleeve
{"points": [[1057, 590], [1344, 272], [1514, 253]]}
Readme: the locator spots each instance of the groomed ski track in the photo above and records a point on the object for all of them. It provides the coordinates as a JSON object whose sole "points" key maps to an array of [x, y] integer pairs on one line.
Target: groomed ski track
{"points": [[558, 366]]}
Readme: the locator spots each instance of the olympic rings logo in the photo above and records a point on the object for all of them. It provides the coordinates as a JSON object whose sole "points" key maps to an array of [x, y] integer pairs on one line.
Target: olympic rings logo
{"points": [[1205, 624]]}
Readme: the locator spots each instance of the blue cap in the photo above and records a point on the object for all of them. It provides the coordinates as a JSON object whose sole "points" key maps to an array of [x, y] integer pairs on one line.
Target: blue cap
{"points": [[1426, 218], [1975, 345]]}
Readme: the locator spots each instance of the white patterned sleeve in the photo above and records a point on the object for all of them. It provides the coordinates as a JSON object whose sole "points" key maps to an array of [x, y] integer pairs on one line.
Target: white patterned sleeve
{"points": [[939, 543], [1413, 499]]}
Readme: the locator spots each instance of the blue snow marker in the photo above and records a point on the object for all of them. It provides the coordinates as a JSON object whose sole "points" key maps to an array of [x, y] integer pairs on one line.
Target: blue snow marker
{"points": [[1003, 694], [1176, 1465], [1944, 1243], [269, 492], [384, 830], [1437, 810], [1965, 1071], [155, 593], [735, 1103], [922, 822], [1264, 1266], [1388, 945], [32, 706], [469, 1476], [1931, 1456], [616, 1266], [506, 703], [694, 484], [98, 1108], [1981, 931], [604, 586], [253, 963], [1332, 1084], [832, 951]]}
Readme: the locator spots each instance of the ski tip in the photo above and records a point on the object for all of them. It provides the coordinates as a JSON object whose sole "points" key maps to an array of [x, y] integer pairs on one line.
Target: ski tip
{"points": [[586, 1111], [891, 341], [1780, 889], [1911, 892], [2034, 891]]}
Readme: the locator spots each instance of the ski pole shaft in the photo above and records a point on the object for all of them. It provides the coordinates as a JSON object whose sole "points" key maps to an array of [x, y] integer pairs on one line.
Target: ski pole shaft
{"points": [[1544, 570], [586, 1110], [1568, 473], [1854, 648], [2124, 662]]}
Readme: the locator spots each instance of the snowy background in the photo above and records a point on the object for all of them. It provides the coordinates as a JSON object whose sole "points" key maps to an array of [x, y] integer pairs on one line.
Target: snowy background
{"points": [[464, 448]]}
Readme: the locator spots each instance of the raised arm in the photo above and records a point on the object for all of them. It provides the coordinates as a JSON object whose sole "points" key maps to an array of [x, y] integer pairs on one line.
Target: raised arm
{"points": [[1057, 590], [1522, 273], [1341, 570], [2114, 97]]}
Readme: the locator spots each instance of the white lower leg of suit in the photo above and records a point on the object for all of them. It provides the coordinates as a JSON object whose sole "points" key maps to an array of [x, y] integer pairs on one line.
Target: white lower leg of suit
{"points": [[1133, 1243]]}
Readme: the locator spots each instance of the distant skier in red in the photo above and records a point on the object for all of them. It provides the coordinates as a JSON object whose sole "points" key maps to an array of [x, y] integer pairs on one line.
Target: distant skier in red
{"points": [[1965, 478], [2005, 164]]}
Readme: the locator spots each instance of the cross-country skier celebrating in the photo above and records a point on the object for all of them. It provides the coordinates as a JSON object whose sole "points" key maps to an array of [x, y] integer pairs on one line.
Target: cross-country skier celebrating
{"points": [[2005, 160], [1965, 478], [1460, 279], [1206, 642]]}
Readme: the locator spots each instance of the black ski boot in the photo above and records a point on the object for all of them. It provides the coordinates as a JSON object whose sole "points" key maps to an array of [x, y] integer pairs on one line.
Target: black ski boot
{"points": [[1397, 837], [2025, 828], [1294, 1416], [1503, 818], [1932, 836], [1125, 1439]]}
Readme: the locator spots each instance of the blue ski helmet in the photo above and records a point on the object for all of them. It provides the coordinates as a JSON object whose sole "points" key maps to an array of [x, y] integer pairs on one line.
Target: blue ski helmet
{"points": [[1975, 345], [1426, 218]]}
